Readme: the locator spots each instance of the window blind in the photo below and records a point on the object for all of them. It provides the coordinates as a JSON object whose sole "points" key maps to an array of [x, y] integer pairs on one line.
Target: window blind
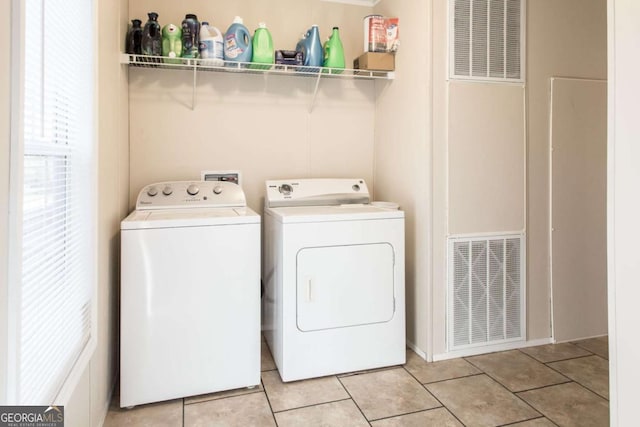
{"points": [[57, 208]]}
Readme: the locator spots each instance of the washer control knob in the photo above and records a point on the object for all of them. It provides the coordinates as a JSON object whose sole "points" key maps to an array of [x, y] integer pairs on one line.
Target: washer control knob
{"points": [[193, 190], [217, 189], [167, 191], [285, 189], [355, 187], [152, 191]]}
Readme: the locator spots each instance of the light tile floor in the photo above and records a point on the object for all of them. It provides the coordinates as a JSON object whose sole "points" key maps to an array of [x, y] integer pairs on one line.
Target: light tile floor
{"points": [[551, 385]]}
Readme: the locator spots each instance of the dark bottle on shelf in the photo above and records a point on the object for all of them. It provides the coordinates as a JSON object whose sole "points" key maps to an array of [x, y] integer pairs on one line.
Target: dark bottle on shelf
{"points": [[190, 36], [152, 36], [134, 38]]}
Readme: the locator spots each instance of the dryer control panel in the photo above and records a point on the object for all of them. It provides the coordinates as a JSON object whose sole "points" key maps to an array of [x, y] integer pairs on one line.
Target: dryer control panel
{"points": [[316, 192], [190, 194]]}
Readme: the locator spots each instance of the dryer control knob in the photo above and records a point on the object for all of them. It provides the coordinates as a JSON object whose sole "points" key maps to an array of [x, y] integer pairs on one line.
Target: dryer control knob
{"points": [[193, 190], [167, 191], [217, 189], [286, 189], [152, 191]]}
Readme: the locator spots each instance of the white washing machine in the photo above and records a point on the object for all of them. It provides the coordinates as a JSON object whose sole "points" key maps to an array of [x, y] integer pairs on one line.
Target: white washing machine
{"points": [[190, 292], [333, 270]]}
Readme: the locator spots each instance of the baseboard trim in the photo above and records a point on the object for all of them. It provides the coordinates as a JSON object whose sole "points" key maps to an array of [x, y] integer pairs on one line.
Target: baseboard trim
{"points": [[581, 339], [417, 351], [491, 349]]}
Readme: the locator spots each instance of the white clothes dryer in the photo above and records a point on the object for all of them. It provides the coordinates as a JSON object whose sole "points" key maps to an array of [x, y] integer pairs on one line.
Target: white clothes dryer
{"points": [[190, 292], [333, 271]]}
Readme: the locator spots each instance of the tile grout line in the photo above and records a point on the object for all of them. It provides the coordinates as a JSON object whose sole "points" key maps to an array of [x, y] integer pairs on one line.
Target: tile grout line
{"points": [[545, 363], [453, 378], [311, 405], [354, 401], [513, 392], [521, 350], [580, 384], [264, 389], [418, 411], [507, 389], [424, 385], [530, 419], [250, 391]]}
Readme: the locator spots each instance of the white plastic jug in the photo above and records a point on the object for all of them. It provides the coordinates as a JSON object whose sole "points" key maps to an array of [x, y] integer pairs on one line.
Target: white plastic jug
{"points": [[211, 46]]}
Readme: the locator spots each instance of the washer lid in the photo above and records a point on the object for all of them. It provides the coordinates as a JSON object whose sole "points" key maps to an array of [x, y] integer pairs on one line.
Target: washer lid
{"points": [[315, 192], [175, 218], [351, 212]]}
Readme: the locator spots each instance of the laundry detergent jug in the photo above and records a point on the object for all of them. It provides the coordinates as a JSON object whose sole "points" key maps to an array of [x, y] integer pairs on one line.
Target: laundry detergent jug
{"points": [[211, 45], [263, 52], [311, 48], [334, 52], [237, 42]]}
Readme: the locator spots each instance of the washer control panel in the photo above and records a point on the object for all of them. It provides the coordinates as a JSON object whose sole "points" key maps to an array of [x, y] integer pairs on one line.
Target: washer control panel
{"points": [[316, 192], [190, 194]]}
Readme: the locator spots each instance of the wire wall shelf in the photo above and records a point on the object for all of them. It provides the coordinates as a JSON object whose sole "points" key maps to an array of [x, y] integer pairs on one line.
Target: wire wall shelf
{"points": [[208, 65], [148, 61]]}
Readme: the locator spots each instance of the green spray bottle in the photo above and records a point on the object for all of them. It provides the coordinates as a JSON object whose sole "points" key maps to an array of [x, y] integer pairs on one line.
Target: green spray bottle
{"points": [[334, 52]]}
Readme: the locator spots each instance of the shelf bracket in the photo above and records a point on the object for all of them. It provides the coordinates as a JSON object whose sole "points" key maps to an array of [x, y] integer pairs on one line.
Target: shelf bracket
{"points": [[195, 83], [315, 91]]}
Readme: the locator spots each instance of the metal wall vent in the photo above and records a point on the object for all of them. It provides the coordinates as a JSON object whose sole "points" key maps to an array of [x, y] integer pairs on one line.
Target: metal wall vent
{"points": [[487, 40], [486, 294]]}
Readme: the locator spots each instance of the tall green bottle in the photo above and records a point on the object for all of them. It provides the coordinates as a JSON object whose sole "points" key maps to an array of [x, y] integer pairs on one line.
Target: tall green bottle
{"points": [[334, 52]]}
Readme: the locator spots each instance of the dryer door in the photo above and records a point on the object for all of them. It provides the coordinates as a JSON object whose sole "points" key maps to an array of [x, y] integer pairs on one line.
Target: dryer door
{"points": [[341, 286]]}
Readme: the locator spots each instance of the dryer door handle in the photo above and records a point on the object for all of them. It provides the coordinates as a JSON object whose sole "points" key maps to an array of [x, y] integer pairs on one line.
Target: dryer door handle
{"points": [[309, 284]]}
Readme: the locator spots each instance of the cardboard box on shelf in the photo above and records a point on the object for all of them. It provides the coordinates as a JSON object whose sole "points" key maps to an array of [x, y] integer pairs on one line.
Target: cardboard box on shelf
{"points": [[378, 61]]}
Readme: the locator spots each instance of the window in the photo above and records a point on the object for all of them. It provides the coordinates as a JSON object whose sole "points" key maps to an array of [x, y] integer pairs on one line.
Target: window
{"points": [[487, 40], [53, 208]]}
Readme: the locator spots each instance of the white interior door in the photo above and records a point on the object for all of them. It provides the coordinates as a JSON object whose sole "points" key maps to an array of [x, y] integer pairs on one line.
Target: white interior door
{"points": [[340, 286], [578, 208]]}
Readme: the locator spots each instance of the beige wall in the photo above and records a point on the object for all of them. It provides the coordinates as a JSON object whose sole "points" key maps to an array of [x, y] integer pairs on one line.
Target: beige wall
{"points": [[439, 214], [478, 163], [486, 158], [258, 124], [466, 161], [403, 154], [565, 39], [287, 20], [90, 400], [5, 142], [578, 208]]}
